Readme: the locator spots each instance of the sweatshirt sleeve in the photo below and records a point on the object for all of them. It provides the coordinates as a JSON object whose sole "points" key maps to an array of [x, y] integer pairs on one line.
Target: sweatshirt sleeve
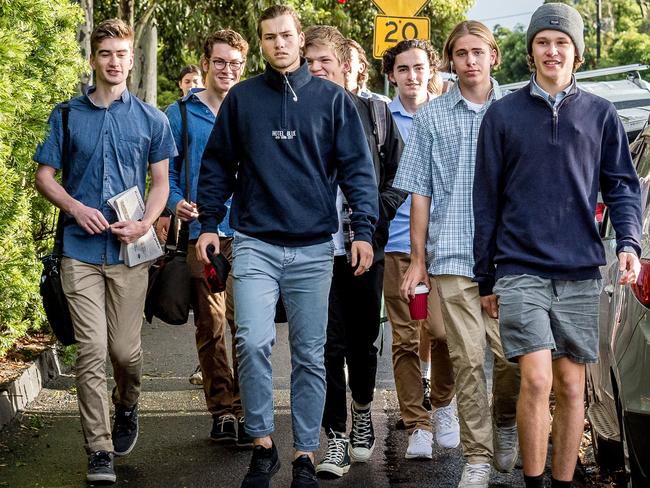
{"points": [[487, 200], [619, 185], [219, 167], [356, 172]]}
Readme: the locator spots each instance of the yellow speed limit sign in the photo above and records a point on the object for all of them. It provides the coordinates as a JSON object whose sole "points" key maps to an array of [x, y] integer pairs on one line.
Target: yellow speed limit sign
{"points": [[389, 30]]}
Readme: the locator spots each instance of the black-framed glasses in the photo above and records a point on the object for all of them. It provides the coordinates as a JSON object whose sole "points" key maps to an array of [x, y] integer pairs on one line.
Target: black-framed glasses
{"points": [[220, 64]]}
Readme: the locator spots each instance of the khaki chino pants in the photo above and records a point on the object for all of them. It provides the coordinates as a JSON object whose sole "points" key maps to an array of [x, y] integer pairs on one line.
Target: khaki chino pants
{"points": [[469, 328], [212, 313], [406, 344], [106, 305]]}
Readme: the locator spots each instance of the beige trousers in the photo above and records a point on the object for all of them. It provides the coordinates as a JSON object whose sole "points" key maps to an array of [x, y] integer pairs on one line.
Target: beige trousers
{"points": [[406, 344], [469, 329], [106, 305]]}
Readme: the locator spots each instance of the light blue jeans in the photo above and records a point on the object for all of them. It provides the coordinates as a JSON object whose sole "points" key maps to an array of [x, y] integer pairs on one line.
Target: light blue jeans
{"points": [[303, 275]]}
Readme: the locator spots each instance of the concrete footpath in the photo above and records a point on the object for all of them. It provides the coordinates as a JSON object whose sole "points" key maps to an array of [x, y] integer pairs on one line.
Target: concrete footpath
{"points": [[43, 446]]}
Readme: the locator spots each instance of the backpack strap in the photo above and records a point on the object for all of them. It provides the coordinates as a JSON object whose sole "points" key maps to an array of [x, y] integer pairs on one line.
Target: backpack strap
{"points": [[58, 236], [184, 232], [378, 113]]}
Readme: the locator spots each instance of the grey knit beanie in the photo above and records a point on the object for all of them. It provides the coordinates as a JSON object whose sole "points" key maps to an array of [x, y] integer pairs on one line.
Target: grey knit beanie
{"points": [[560, 17]]}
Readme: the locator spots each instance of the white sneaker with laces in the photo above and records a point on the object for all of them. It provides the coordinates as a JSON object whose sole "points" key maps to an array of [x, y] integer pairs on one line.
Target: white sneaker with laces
{"points": [[506, 448], [475, 476], [420, 445], [445, 421]]}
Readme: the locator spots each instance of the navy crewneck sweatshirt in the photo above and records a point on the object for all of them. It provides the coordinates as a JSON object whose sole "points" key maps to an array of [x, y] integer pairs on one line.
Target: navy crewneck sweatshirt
{"points": [[537, 176]]}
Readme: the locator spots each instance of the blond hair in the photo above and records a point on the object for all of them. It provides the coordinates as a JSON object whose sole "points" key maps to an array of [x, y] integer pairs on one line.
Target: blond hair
{"points": [[469, 27], [328, 37]]}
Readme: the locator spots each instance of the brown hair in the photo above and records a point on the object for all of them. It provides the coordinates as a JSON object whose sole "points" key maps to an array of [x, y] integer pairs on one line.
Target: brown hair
{"points": [[464, 28], [225, 36], [329, 37], [277, 11], [190, 68], [110, 29], [363, 74], [390, 55]]}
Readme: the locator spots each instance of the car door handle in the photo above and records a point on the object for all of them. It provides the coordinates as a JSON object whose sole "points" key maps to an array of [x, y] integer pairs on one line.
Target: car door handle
{"points": [[609, 289]]}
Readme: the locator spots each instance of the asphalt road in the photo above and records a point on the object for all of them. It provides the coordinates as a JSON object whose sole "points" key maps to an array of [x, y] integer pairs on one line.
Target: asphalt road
{"points": [[44, 448]]}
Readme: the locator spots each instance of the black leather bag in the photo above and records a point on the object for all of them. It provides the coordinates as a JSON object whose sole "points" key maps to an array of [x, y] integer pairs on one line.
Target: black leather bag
{"points": [[55, 302], [168, 292]]}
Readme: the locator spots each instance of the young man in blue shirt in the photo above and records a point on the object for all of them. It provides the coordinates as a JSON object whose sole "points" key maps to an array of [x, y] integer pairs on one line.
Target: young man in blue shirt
{"points": [[223, 61], [544, 152], [114, 139], [283, 141]]}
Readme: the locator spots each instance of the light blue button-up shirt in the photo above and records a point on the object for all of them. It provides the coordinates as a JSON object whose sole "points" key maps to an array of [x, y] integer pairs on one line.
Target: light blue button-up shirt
{"points": [[200, 121], [438, 162], [110, 151], [553, 102], [399, 237]]}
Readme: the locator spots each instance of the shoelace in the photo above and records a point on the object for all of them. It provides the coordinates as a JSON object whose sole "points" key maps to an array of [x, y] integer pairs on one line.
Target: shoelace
{"points": [[419, 437], [361, 425], [336, 448], [100, 460], [476, 473], [445, 416], [507, 437], [226, 418], [124, 422]]}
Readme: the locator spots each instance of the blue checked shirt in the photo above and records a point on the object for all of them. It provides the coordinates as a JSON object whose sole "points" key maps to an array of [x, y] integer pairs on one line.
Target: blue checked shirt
{"points": [[438, 162]]}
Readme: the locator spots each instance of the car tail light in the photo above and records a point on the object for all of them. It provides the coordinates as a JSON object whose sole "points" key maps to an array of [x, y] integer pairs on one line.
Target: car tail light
{"points": [[641, 288]]}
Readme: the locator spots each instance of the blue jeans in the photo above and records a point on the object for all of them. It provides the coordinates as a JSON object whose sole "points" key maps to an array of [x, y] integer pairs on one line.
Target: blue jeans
{"points": [[303, 275]]}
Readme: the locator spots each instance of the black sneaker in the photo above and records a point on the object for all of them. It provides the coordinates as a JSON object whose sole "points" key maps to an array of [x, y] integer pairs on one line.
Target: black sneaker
{"points": [[125, 429], [336, 461], [264, 464], [304, 474], [243, 439], [224, 428], [426, 390], [100, 468], [362, 436]]}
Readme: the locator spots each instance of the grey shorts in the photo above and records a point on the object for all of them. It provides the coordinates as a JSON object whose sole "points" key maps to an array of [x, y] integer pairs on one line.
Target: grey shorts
{"points": [[538, 313]]}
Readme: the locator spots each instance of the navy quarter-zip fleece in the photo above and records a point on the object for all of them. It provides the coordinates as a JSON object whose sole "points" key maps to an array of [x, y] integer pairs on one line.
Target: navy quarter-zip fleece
{"points": [[277, 145], [537, 176]]}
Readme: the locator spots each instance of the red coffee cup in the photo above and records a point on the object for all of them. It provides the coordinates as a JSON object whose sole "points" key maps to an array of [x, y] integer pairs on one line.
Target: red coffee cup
{"points": [[418, 303]]}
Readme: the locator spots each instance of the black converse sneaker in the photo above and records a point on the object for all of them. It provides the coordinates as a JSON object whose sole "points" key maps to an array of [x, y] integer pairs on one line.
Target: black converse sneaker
{"points": [[100, 468], [125, 429], [362, 436], [337, 459]]}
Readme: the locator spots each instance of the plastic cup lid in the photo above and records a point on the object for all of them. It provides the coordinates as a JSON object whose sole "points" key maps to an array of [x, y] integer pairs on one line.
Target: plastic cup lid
{"points": [[421, 289]]}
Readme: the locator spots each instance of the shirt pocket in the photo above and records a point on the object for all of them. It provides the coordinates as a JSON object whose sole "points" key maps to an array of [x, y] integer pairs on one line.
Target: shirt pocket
{"points": [[132, 158]]}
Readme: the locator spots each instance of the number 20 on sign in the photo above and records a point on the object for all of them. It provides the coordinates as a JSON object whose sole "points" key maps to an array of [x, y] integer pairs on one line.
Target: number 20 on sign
{"points": [[389, 30]]}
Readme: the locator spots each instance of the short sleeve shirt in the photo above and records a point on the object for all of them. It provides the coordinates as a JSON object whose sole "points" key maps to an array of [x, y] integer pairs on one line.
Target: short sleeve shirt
{"points": [[110, 151]]}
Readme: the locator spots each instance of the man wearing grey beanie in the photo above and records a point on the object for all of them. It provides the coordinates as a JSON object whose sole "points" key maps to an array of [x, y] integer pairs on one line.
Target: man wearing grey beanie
{"points": [[543, 154]]}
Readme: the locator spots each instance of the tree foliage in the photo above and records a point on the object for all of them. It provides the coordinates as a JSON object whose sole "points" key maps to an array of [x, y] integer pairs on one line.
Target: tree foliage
{"points": [[41, 66], [514, 61], [184, 24]]}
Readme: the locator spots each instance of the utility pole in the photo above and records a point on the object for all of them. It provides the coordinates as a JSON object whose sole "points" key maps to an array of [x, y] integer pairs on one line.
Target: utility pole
{"points": [[599, 15]]}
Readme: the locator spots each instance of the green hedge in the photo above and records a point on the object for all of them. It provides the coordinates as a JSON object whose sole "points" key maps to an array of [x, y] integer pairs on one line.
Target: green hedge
{"points": [[41, 65]]}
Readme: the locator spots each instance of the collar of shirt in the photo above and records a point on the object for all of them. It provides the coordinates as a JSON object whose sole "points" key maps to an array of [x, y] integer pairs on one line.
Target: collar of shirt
{"points": [[124, 97], [455, 95], [535, 89]]}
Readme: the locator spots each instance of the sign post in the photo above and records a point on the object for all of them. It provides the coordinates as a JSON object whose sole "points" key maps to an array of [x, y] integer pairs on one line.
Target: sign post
{"points": [[398, 23]]}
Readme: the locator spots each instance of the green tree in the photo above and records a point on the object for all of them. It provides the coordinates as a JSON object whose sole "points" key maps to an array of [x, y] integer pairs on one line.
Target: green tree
{"points": [[514, 60], [41, 66]]}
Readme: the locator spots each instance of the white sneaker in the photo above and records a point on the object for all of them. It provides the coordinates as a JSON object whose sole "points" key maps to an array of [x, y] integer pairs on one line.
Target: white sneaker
{"points": [[420, 445], [475, 476], [506, 448], [445, 421], [197, 377]]}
